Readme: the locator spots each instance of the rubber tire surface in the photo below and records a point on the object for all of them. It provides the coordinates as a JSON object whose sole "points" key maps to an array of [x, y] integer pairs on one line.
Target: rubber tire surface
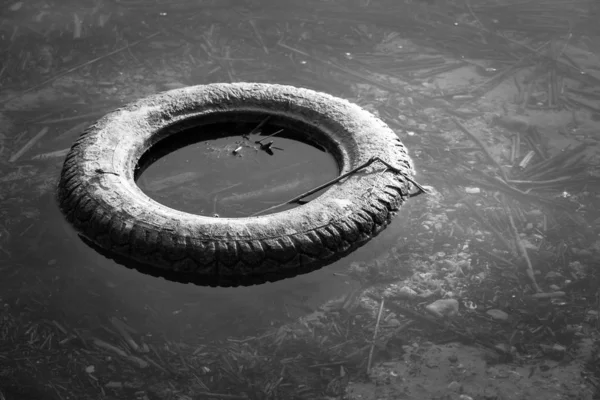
{"points": [[98, 195]]}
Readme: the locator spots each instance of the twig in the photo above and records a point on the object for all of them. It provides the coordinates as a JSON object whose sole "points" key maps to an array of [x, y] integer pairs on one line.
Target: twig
{"points": [[489, 226], [121, 327], [28, 145], [335, 363], [497, 257], [520, 246], [343, 69], [60, 327], [465, 338], [52, 154], [550, 181], [513, 148], [107, 346], [259, 36], [221, 396], [252, 338], [558, 160], [484, 87], [339, 178], [260, 125], [375, 336], [85, 64], [519, 89], [526, 97], [72, 131], [482, 146], [534, 146], [227, 64], [224, 189], [90, 115], [266, 137]]}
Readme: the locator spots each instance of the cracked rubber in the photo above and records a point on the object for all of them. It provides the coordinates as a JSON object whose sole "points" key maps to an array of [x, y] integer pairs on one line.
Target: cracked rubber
{"points": [[98, 195]]}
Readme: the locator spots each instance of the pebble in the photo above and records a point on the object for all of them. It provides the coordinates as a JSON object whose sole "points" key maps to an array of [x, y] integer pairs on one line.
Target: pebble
{"points": [[403, 292], [497, 314], [443, 308], [407, 293]]}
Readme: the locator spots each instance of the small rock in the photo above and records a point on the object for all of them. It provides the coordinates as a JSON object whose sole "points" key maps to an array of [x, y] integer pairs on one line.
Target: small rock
{"points": [[497, 314], [443, 308], [505, 348], [425, 294], [454, 386], [553, 276], [403, 293], [406, 293], [448, 265], [556, 352], [16, 6]]}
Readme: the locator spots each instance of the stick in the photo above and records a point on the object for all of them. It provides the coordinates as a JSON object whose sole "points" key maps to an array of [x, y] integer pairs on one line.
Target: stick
{"points": [[224, 189], [465, 338], [522, 250], [489, 226], [375, 335], [28, 145], [221, 396], [526, 96], [90, 115], [107, 346], [266, 137], [259, 36], [52, 154], [260, 125], [343, 69], [556, 180], [339, 178], [72, 131], [121, 328], [483, 148], [85, 64]]}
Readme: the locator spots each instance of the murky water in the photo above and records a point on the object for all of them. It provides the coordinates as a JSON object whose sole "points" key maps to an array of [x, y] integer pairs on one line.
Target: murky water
{"points": [[75, 325]]}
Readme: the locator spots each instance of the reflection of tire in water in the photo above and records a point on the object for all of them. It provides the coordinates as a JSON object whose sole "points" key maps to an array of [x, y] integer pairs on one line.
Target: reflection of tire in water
{"points": [[99, 197]]}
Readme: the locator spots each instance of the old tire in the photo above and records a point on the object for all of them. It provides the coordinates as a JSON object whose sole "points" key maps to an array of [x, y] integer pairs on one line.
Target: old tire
{"points": [[98, 195]]}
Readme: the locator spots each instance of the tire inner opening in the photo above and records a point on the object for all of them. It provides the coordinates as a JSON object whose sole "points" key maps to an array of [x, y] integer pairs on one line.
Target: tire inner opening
{"points": [[213, 166]]}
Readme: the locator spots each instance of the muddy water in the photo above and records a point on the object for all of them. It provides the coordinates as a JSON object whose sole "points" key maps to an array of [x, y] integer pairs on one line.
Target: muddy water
{"points": [[50, 278]]}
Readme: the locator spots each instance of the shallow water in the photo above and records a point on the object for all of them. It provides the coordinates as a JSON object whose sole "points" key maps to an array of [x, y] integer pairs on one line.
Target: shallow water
{"points": [[65, 65]]}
